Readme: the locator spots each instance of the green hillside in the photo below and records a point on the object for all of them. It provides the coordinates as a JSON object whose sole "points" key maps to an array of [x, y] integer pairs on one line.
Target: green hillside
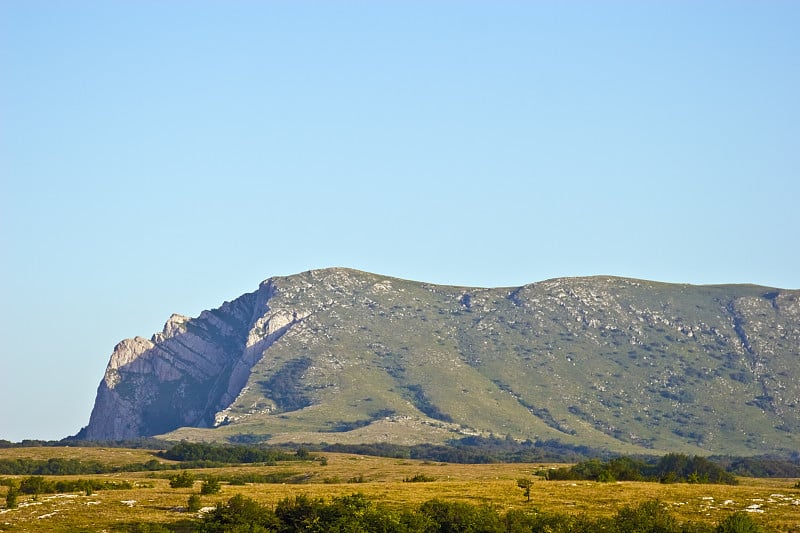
{"points": [[617, 363]]}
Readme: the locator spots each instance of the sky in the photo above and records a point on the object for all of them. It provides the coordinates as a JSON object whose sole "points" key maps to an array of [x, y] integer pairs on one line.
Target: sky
{"points": [[160, 157]]}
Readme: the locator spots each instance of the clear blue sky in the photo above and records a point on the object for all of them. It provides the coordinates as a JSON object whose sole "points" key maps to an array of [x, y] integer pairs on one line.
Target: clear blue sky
{"points": [[160, 157]]}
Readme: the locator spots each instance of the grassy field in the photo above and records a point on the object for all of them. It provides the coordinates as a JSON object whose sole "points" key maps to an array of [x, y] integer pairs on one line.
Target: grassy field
{"points": [[777, 503]]}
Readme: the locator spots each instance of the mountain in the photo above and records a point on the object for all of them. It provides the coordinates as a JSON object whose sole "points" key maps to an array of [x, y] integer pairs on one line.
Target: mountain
{"points": [[340, 355]]}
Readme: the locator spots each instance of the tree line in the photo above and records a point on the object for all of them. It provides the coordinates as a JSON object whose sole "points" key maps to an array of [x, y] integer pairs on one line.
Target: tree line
{"points": [[226, 454], [36, 485], [188, 455], [671, 468], [475, 450], [69, 467], [467, 450], [148, 443], [471, 450]]}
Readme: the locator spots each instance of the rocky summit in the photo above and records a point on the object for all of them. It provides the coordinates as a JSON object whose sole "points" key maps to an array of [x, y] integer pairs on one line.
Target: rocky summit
{"points": [[338, 355]]}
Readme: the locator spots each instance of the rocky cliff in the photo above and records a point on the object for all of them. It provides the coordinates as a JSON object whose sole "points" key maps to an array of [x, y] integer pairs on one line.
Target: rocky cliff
{"points": [[338, 355]]}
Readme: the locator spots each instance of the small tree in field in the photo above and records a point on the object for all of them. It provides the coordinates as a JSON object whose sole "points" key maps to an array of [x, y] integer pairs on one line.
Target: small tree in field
{"points": [[86, 487], [194, 504], [11, 497], [525, 484], [184, 480], [210, 486]]}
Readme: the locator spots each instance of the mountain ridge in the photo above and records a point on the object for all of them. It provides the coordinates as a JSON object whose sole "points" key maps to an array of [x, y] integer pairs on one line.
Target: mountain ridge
{"points": [[341, 355]]}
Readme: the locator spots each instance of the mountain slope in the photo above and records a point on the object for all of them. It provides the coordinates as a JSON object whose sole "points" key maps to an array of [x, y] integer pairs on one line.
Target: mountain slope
{"points": [[338, 355]]}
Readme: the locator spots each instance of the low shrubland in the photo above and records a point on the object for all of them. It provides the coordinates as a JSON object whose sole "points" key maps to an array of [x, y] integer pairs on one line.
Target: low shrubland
{"points": [[357, 513], [396, 492], [36, 485]]}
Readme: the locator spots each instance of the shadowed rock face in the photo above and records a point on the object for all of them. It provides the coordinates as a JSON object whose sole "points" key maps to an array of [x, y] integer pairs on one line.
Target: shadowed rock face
{"points": [[338, 355], [186, 373]]}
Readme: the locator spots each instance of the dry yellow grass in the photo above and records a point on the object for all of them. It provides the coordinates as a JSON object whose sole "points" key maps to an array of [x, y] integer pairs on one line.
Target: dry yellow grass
{"points": [[112, 456], [495, 485]]}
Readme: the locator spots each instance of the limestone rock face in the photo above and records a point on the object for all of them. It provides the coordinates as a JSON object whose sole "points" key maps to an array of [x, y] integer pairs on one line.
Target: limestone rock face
{"points": [[190, 371], [339, 355], [177, 378]]}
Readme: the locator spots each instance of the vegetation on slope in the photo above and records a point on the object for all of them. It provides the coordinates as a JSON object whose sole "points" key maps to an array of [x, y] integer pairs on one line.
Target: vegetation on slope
{"points": [[631, 366]]}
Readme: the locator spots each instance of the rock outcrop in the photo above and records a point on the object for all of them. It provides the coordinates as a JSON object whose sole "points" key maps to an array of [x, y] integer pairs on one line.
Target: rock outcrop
{"points": [[180, 377], [338, 355]]}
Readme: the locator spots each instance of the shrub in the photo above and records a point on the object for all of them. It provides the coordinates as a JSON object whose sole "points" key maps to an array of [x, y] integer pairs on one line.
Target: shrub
{"points": [[519, 521], [184, 480], [461, 517], [302, 453], [738, 523], [525, 484], [210, 486], [300, 512], [253, 477], [11, 497], [606, 476], [419, 478], [357, 514], [354, 513], [239, 514], [194, 504], [36, 485], [86, 486], [648, 516]]}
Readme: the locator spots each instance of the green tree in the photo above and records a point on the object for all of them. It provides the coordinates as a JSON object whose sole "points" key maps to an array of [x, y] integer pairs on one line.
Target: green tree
{"points": [[36, 485], [184, 480], [86, 486], [606, 476], [194, 504], [525, 484], [11, 496], [210, 486]]}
